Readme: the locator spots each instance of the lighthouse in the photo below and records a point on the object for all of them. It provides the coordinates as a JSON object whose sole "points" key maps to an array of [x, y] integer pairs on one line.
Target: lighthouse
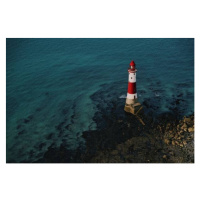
{"points": [[132, 105]]}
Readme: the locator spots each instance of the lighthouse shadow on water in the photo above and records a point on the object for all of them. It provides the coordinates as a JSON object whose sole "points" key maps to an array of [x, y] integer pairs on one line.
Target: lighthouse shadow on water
{"points": [[68, 100]]}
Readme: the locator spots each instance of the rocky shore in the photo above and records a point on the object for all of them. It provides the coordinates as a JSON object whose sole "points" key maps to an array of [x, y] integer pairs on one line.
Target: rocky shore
{"points": [[166, 141], [126, 140], [181, 136]]}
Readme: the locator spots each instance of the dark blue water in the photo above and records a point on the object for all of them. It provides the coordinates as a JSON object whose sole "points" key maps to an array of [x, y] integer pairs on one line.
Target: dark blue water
{"points": [[55, 87]]}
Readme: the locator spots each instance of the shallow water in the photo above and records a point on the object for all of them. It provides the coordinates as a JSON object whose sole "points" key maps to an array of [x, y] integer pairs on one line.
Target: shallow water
{"points": [[56, 87]]}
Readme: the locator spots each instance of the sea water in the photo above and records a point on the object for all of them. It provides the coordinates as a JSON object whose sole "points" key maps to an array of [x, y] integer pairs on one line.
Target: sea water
{"points": [[55, 87]]}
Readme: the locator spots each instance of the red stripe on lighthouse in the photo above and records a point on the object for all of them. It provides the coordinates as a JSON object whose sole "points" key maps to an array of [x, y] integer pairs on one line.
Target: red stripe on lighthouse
{"points": [[131, 88]]}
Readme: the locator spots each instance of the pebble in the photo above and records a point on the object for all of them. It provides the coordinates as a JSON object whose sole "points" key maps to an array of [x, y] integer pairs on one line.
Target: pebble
{"points": [[164, 156], [191, 129], [179, 132], [184, 142], [184, 126], [176, 142], [187, 120], [166, 141]]}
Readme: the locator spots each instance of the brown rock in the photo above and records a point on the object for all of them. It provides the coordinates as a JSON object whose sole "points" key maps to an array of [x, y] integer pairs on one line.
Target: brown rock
{"points": [[181, 145], [173, 143], [164, 156], [187, 120], [168, 126], [184, 126], [166, 141], [191, 129], [184, 142], [179, 132], [176, 142]]}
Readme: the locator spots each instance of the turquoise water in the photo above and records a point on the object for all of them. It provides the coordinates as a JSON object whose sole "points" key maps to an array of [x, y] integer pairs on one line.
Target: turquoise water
{"points": [[55, 87]]}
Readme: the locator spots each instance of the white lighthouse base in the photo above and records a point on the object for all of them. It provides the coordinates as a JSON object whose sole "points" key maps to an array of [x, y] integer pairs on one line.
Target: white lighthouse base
{"points": [[133, 102]]}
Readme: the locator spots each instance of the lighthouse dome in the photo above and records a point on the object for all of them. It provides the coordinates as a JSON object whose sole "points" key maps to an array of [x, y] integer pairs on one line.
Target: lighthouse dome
{"points": [[132, 63]]}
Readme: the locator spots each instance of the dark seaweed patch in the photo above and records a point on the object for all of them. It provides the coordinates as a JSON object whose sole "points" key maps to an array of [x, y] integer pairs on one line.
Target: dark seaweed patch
{"points": [[180, 95], [42, 145], [177, 101], [21, 132], [19, 126], [26, 121], [68, 126], [61, 155], [38, 109], [142, 91], [65, 111], [31, 153], [60, 126], [49, 136]]}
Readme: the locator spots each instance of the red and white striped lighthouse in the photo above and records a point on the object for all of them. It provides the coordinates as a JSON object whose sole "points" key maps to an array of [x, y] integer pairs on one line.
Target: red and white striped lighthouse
{"points": [[131, 99], [132, 93]]}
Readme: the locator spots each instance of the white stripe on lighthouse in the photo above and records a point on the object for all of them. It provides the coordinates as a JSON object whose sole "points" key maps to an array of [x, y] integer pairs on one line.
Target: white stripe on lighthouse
{"points": [[131, 96], [132, 77]]}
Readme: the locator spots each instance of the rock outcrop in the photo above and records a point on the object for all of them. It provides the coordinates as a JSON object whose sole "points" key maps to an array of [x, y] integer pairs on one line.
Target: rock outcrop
{"points": [[171, 142]]}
